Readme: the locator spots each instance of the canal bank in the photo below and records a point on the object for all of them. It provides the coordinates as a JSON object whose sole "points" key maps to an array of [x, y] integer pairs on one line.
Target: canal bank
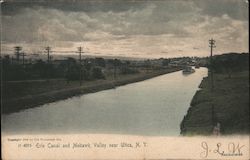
{"points": [[227, 104], [45, 94]]}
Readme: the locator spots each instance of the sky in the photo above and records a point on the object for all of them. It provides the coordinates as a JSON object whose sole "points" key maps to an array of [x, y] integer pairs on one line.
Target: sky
{"points": [[126, 28]]}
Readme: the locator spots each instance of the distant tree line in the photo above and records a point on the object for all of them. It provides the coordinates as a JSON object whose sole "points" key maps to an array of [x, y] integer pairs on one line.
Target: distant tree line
{"points": [[230, 62], [69, 69]]}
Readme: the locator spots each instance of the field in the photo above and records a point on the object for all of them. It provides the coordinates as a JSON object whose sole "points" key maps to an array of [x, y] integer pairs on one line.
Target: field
{"points": [[227, 104]]}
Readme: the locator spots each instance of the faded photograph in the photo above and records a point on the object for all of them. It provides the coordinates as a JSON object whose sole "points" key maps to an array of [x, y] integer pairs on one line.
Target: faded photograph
{"points": [[125, 67]]}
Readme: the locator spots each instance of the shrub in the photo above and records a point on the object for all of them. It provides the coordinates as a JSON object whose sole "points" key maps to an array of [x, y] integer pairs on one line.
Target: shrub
{"points": [[97, 73]]}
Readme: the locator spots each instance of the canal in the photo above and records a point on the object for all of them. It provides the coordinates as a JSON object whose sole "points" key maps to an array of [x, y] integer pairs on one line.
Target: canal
{"points": [[153, 107]]}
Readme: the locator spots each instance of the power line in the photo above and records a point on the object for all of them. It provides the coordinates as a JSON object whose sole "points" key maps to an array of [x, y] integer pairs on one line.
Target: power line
{"points": [[48, 50], [64, 51]]}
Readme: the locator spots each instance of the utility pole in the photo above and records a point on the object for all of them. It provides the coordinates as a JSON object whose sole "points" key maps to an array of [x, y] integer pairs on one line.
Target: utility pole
{"points": [[23, 55], [80, 61], [17, 53], [67, 69], [115, 66], [48, 49], [211, 45], [214, 120]]}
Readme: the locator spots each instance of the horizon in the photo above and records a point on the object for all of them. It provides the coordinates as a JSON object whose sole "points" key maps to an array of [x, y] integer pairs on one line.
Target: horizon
{"points": [[131, 29], [75, 56]]}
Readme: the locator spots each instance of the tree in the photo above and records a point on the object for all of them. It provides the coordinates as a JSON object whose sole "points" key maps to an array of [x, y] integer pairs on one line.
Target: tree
{"points": [[165, 62], [73, 73], [100, 62], [40, 68], [229, 63], [97, 73]]}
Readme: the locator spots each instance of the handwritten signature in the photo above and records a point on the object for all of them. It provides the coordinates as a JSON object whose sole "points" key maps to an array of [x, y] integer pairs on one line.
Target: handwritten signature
{"points": [[229, 149]]}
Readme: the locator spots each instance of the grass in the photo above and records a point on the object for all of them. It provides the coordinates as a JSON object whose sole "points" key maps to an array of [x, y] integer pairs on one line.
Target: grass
{"points": [[230, 98]]}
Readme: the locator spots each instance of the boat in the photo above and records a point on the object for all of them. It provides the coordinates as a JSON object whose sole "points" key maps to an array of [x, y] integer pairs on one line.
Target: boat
{"points": [[197, 66], [188, 70]]}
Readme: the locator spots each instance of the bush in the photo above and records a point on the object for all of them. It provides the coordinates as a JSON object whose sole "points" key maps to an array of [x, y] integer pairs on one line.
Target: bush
{"points": [[73, 73], [228, 63], [97, 73], [127, 70]]}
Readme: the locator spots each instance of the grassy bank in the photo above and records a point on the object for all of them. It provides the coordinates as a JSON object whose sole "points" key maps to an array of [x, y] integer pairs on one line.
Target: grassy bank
{"points": [[27, 94], [227, 103]]}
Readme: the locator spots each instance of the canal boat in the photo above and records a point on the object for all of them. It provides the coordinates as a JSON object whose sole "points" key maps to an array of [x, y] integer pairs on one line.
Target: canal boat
{"points": [[188, 70], [197, 66]]}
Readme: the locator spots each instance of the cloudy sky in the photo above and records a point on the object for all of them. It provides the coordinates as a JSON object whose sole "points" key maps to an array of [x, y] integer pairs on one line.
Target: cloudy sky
{"points": [[130, 28]]}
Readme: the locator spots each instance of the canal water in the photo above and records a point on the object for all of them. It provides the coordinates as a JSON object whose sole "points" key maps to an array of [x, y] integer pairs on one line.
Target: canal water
{"points": [[153, 107]]}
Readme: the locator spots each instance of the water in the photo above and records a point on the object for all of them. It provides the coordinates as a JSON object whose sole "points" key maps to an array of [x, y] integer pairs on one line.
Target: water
{"points": [[151, 107]]}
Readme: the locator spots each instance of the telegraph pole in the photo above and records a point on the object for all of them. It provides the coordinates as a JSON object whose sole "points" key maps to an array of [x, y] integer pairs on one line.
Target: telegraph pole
{"points": [[211, 45], [80, 61], [48, 49], [17, 53], [23, 55], [115, 67]]}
